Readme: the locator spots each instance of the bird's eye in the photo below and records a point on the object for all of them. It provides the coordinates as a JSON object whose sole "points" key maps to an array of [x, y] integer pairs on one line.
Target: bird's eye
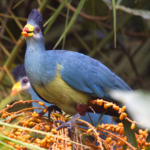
{"points": [[37, 29], [25, 81]]}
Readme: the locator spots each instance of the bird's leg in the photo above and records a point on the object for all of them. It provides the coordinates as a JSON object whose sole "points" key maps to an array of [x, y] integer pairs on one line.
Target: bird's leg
{"points": [[50, 109], [68, 123], [81, 110]]}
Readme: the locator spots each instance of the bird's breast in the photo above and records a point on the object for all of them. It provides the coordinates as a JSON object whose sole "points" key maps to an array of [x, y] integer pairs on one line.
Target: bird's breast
{"points": [[58, 92]]}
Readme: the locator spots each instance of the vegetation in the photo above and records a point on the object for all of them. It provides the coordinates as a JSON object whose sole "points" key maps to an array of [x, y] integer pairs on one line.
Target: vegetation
{"points": [[114, 32]]}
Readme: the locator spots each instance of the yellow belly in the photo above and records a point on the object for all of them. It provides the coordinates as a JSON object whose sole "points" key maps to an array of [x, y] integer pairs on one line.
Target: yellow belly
{"points": [[62, 95]]}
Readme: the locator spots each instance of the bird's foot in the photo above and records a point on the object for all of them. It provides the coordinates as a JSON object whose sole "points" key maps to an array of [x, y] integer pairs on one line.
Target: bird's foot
{"points": [[50, 109], [68, 124]]}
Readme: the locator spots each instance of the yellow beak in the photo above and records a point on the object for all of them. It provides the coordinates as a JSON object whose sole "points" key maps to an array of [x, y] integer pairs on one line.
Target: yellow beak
{"points": [[16, 88], [28, 30]]}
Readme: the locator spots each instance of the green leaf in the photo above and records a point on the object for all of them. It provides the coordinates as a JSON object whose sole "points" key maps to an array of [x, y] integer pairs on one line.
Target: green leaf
{"points": [[100, 118], [17, 4], [91, 120], [114, 14], [34, 147], [108, 3], [4, 146], [71, 21], [130, 133], [124, 147], [64, 39], [51, 20], [32, 130], [104, 147]]}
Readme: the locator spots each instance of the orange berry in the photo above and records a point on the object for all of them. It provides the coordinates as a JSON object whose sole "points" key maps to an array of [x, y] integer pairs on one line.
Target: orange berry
{"points": [[57, 115], [54, 131], [120, 124], [36, 116], [26, 123], [139, 142], [43, 141], [108, 139], [107, 105], [45, 110], [123, 108], [115, 107], [11, 135], [20, 130], [124, 114], [121, 131], [17, 147], [141, 132], [108, 128], [27, 136], [17, 133], [146, 130], [41, 103], [52, 140], [4, 115], [31, 124], [6, 133], [11, 143], [38, 140], [69, 144], [69, 148], [47, 127], [117, 129], [12, 117], [48, 136], [99, 102], [38, 127], [125, 138], [38, 120], [102, 125], [121, 117], [132, 126], [61, 146], [89, 131]]}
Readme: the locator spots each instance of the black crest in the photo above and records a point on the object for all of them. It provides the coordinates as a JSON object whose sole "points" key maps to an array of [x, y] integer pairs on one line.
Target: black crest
{"points": [[37, 17], [19, 72]]}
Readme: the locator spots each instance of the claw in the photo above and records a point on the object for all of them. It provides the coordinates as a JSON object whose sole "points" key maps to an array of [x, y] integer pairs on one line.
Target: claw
{"points": [[68, 123], [50, 109]]}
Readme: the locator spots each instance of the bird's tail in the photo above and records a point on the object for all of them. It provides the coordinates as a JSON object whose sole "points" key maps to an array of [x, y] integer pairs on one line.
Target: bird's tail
{"points": [[121, 85]]}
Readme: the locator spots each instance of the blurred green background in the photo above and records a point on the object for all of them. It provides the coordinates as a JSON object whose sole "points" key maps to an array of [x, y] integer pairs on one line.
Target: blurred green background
{"points": [[92, 33]]}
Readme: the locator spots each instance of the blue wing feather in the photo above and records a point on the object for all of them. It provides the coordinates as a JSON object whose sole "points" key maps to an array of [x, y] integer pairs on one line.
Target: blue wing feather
{"points": [[88, 75]]}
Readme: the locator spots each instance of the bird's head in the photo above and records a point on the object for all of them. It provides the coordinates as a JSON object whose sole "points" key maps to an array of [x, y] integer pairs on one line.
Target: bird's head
{"points": [[23, 83], [34, 27]]}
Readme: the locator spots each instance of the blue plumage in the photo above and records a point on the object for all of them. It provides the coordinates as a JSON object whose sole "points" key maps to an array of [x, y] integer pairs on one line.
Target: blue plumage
{"points": [[37, 17], [67, 79], [19, 75], [19, 72]]}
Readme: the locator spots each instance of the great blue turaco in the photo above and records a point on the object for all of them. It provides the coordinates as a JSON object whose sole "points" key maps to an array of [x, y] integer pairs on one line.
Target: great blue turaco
{"points": [[23, 84], [65, 78]]}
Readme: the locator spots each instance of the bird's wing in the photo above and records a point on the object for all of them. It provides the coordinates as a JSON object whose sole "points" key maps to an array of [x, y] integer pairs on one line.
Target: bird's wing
{"points": [[39, 96], [86, 74]]}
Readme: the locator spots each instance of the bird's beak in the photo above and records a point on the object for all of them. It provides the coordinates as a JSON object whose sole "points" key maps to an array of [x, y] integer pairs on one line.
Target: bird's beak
{"points": [[16, 88], [27, 30]]}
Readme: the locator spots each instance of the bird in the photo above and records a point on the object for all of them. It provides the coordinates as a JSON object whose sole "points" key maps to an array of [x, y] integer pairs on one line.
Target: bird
{"points": [[23, 84], [68, 79]]}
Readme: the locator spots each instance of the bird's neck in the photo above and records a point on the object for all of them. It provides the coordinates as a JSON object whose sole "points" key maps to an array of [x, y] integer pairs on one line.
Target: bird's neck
{"points": [[34, 45], [30, 91]]}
